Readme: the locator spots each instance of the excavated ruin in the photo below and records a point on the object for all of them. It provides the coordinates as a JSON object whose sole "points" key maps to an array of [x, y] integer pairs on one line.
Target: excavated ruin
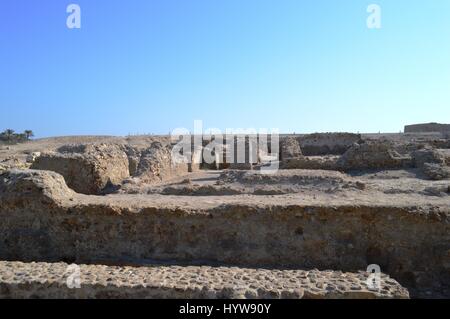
{"points": [[140, 226]]}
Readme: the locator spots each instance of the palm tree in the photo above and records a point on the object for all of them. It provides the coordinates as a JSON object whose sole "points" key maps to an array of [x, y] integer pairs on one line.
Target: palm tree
{"points": [[9, 134], [28, 134]]}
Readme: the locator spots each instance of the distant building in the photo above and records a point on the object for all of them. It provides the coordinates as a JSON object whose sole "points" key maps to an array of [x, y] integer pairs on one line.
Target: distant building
{"points": [[427, 128]]}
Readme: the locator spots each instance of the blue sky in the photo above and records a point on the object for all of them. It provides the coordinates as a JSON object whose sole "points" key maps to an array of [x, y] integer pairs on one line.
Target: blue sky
{"points": [[149, 66]]}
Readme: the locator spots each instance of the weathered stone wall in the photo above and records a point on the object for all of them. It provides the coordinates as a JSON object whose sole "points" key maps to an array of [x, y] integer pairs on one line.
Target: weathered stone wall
{"points": [[373, 155], [312, 162], [288, 152], [427, 128], [427, 155], [87, 169], [100, 168], [410, 243], [241, 152], [327, 143], [432, 162], [290, 148], [156, 164]]}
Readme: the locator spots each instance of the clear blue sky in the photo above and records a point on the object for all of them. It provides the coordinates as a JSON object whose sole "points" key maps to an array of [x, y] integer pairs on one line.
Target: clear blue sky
{"points": [[148, 66]]}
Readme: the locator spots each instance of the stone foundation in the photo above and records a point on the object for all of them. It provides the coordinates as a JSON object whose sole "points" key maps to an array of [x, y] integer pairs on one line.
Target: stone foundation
{"points": [[44, 280]]}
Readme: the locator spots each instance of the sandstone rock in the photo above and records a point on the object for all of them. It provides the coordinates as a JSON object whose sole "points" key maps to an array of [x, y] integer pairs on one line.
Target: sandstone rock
{"points": [[87, 169]]}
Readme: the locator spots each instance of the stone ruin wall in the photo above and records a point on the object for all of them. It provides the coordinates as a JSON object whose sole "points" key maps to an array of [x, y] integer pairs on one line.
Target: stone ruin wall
{"points": [[102, 168], [47, 226], [427, 128], [318, 144], [94, 169], [87, 169], [105, 168], [327, 143]]}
